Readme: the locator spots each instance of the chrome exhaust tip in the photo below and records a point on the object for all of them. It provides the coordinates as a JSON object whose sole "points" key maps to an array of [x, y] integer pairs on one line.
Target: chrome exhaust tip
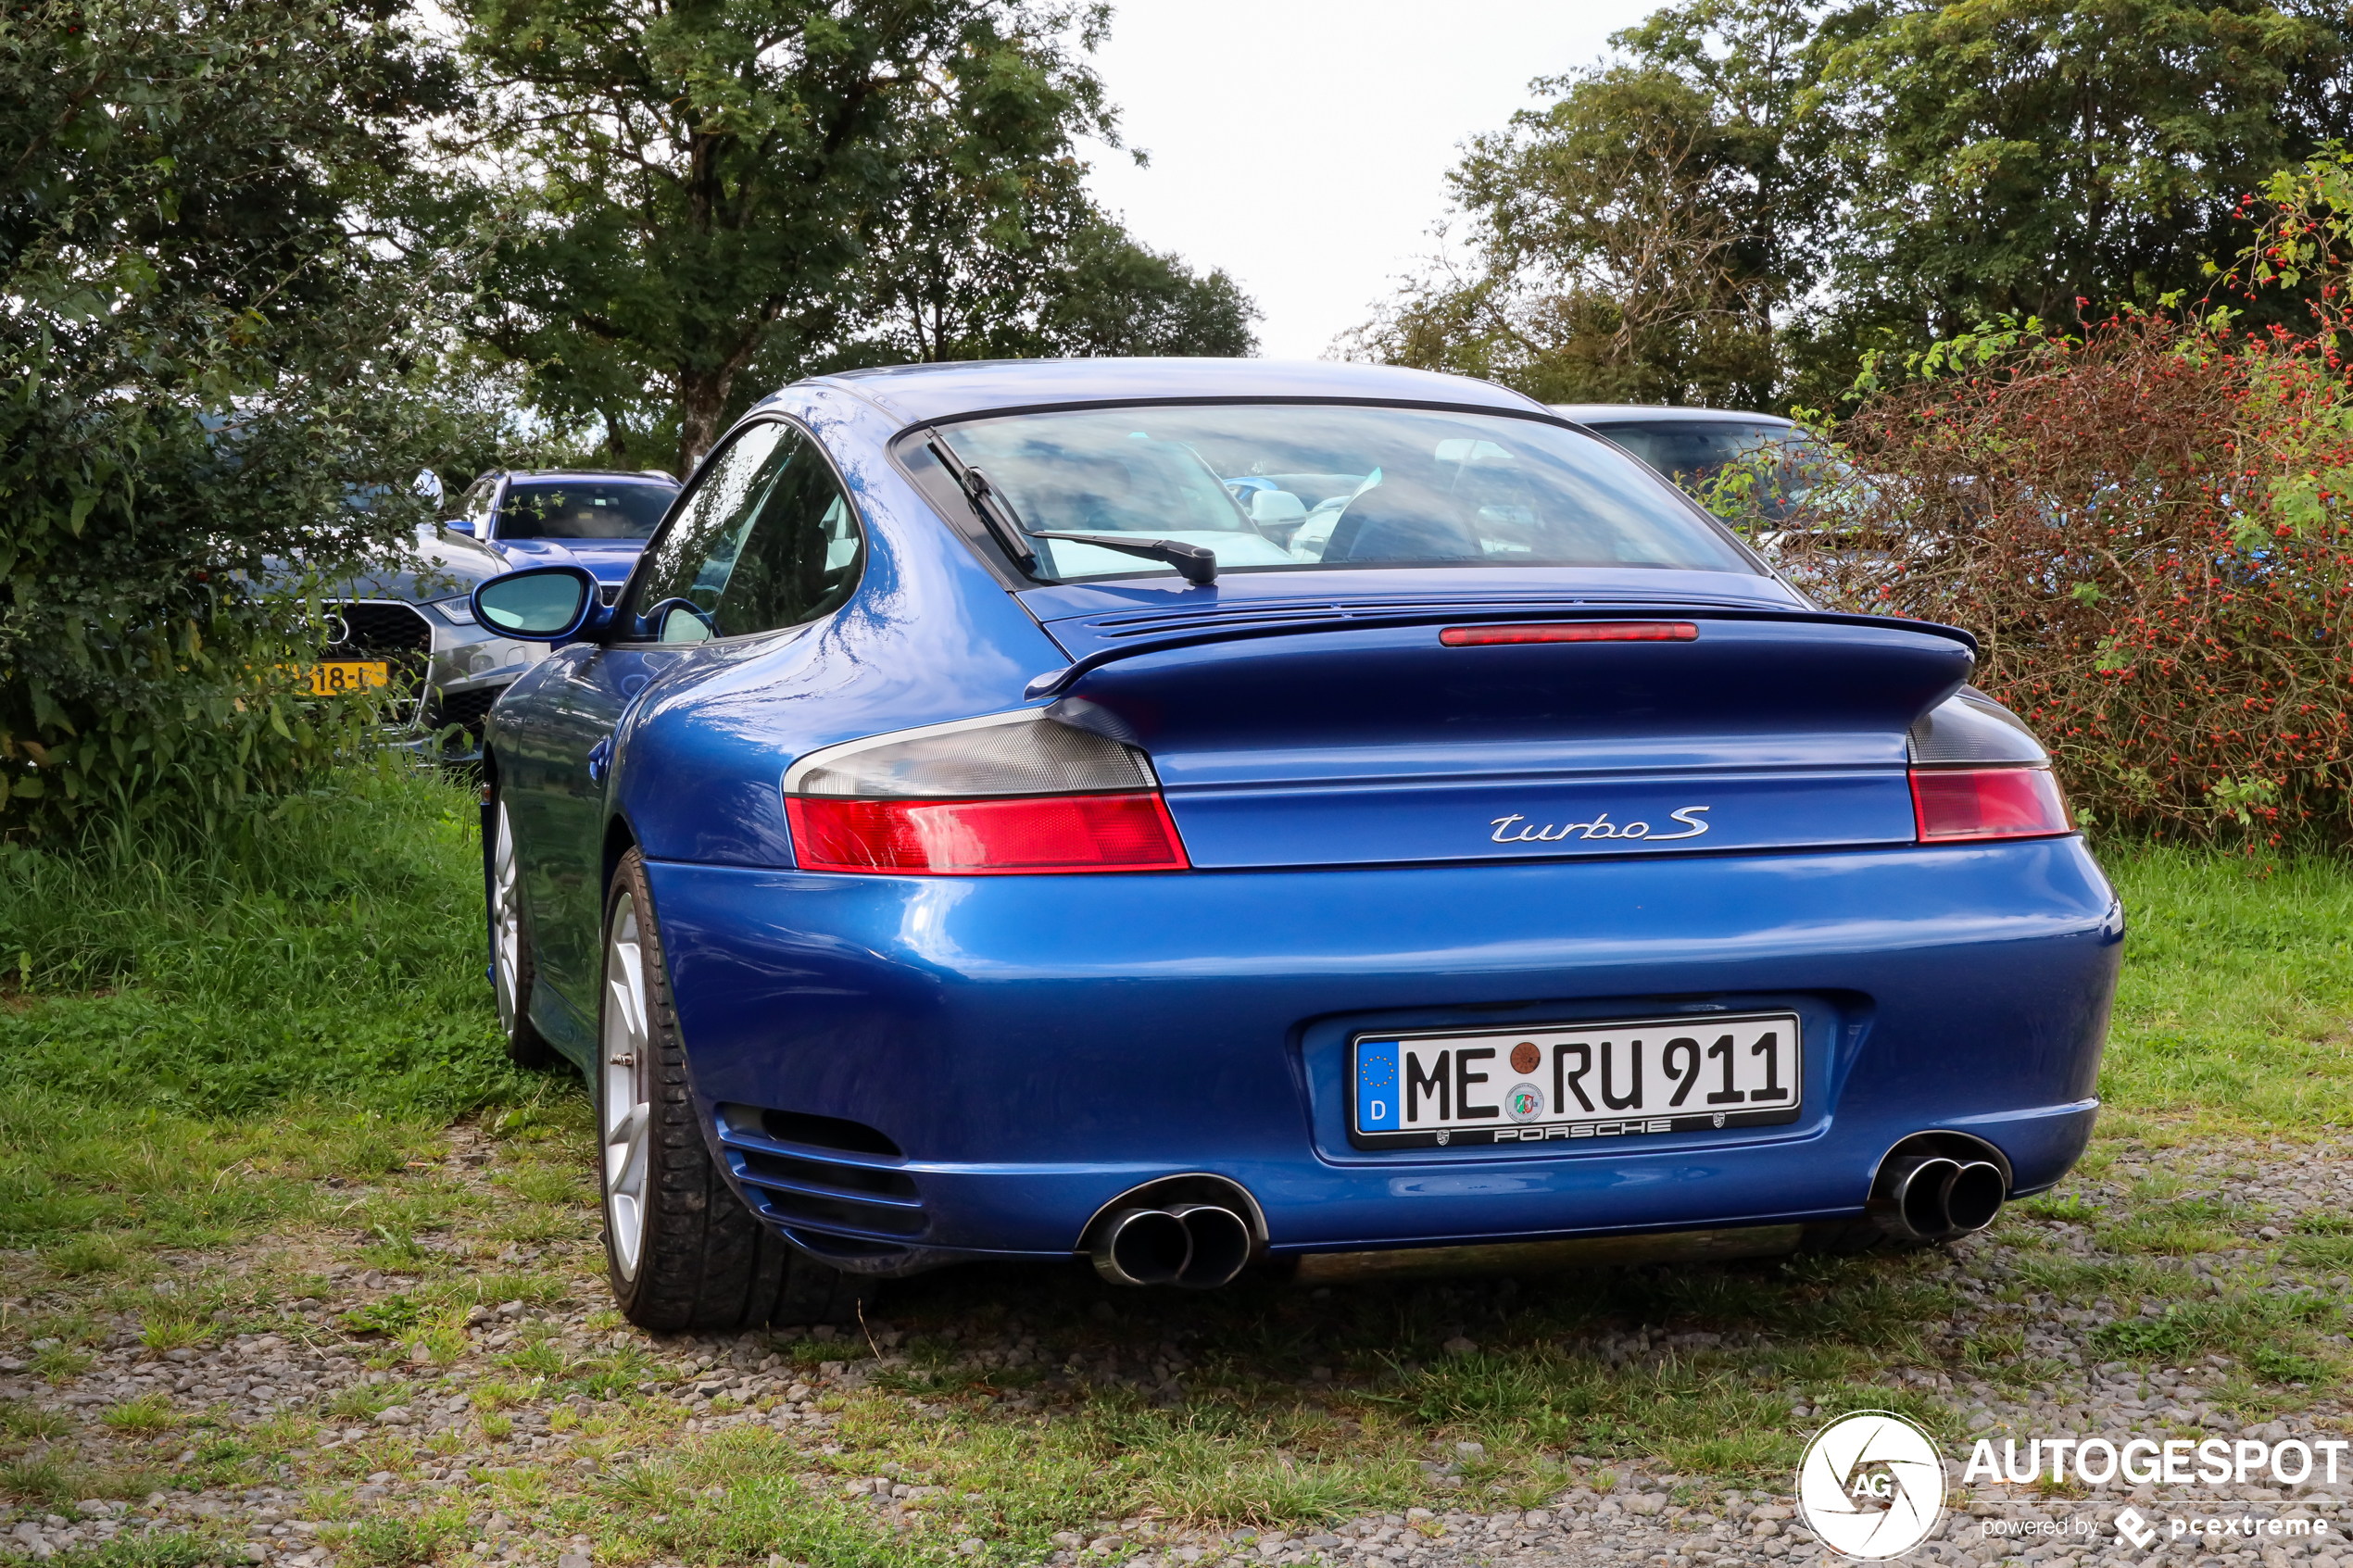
{"points": [[1974, 1196], [1917, 1194], [1221, 1243], [1143, 1247], [1924, 1198]]}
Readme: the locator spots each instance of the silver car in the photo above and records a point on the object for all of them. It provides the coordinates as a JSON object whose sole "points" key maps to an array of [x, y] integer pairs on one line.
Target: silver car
{"points": [[407, 626]]}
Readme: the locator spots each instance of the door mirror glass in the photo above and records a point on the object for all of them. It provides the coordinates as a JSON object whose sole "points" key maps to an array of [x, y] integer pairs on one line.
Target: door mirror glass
{"points": [[680, 621], [545, 604]]}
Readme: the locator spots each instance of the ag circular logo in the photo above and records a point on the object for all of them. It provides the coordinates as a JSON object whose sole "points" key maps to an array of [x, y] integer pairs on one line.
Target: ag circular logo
{"points": [[1524, 1103], [1871, 1485]]}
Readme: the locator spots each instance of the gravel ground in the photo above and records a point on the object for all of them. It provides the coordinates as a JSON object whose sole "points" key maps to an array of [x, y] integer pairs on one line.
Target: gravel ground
{"points": [[467, 1432]]}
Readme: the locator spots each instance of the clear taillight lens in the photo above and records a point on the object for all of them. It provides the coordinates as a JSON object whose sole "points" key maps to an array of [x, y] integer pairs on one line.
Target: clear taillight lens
{"points": [[1954, 804], [1013, 793]]}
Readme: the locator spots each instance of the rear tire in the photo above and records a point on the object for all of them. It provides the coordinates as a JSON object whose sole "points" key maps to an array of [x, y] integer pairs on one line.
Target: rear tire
{"points": [[681, 1250], [512, 972]]}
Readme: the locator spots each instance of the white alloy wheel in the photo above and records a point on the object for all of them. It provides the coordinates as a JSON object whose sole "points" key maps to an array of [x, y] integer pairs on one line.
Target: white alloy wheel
{"points": [[624, 1108], [682, 1251], [506, 926]]}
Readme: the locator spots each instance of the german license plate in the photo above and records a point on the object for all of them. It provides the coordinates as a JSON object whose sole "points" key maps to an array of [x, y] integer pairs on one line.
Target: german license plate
{"points": [[1617, 1078], [342, 675]]}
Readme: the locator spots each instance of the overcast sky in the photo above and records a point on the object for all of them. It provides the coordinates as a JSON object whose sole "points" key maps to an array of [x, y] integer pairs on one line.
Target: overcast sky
{"points": [[1303, 145]]}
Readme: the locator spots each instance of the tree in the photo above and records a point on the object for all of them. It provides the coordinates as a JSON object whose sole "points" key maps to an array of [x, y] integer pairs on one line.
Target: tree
{"points": [[1605, 264], [1865, 177], [1048, 277], [2011, 156], [986, 250], [776, 183], [1632, 241], [205, 382], [1753, 62]]}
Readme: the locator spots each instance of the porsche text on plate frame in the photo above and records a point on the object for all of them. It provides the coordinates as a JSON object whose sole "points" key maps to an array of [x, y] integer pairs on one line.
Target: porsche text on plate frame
{"points": [[1011, 807], [1689, 1073]]}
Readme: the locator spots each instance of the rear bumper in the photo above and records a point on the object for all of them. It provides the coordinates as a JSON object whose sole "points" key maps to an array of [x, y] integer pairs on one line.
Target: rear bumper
{"points": [[1038, 1046]]}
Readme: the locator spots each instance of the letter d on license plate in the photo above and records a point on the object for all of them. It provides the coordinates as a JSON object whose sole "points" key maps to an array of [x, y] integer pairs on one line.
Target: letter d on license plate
{"points": [[1572, 1081]]}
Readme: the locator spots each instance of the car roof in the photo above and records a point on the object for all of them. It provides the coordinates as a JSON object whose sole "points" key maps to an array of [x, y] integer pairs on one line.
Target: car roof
{"points": [[919, 393], [626, 476], [1658, 413]]}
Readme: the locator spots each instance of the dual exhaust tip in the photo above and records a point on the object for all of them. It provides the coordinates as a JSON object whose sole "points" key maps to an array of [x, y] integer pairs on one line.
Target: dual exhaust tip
{"points": [[1197, 1245], [1935, 1198], [1919, 1197]]}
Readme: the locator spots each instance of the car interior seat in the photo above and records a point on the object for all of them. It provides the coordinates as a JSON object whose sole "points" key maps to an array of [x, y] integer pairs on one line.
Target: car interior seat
{"points": [[1404, 517]]}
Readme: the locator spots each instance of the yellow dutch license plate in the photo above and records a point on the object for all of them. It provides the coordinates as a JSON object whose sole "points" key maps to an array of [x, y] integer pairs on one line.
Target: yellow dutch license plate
{"points": [[349, 675]]}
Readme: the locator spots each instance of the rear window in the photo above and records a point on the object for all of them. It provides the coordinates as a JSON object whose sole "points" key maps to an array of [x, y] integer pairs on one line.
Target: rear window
{"points": [[575, 509], [1697, 448], [1291, 487]]}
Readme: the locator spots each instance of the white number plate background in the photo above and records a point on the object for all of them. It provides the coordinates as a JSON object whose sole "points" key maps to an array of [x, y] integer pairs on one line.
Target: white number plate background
{"points": [[1611, 1079]]}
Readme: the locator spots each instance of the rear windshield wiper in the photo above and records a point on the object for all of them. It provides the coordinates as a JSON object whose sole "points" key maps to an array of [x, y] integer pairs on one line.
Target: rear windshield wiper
{"points": [[1196, 563], [996, 513]]}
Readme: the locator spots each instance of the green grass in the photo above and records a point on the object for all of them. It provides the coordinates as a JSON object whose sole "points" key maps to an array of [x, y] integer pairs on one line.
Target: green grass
{"points": [[403, 1543], [175, 1549], [265, 1041], [197, 1030], [2235, 1005]]}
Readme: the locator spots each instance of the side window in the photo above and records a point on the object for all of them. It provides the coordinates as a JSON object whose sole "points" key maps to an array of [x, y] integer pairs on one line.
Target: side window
{"points": [[476, 507], [767, 540]]}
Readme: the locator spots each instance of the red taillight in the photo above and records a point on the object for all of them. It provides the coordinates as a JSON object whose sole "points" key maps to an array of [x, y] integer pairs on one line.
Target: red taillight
{"points": [[1960, 803], [1571, 632], [1048, 833]]}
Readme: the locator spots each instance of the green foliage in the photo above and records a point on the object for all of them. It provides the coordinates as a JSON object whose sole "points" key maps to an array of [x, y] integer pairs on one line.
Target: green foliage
{"points": [[2236, 980], [2011, 157], [2145, 525], [392, 1314], [173, 1549], [2246, 1326], [200, 384], [148, 1414], [386, 1542], [336, 957], [1754, 200], [713, 200], [1608, 262]]}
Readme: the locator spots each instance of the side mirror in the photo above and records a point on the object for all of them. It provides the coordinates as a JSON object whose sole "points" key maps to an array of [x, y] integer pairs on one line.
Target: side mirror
{"points": [[542, 604]]}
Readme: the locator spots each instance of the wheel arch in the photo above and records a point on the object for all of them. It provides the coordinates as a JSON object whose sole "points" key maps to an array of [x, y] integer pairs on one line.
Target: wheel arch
{"points": [[620, 838]]}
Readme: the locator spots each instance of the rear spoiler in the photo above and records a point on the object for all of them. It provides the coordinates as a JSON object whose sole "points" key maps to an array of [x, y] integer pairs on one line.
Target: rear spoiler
{"points": [[1055, 681]]}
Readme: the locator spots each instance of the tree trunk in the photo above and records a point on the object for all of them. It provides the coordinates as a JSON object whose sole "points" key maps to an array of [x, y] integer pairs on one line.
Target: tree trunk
{"points": [[616, 438], [703, 397]]}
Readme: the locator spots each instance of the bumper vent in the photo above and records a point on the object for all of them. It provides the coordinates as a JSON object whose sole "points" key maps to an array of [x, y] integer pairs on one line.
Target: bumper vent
{"points": [[837, 1185]]}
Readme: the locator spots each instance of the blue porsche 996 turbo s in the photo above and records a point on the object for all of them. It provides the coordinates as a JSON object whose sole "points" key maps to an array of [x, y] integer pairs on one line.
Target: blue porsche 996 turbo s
{"points": [[1200, 814]]}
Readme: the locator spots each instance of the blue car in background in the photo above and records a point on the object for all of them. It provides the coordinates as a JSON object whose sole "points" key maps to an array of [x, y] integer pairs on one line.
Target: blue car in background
{"points": [[1195, 815], [591, 518]]}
